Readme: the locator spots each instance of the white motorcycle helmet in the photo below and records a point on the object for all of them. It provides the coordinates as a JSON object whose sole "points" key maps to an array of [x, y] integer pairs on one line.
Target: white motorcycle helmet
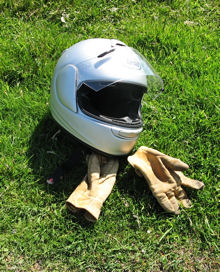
{"points": [[96, 93]]}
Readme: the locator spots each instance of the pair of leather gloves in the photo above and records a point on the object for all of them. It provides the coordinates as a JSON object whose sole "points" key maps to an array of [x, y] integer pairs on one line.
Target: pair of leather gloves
{"points": [[162, 173]]}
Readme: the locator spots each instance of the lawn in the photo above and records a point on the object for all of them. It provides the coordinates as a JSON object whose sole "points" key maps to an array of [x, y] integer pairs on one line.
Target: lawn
{"points": [[180, 38]]}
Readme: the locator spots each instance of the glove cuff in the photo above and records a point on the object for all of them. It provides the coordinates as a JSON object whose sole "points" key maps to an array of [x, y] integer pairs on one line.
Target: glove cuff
{"points": [[80, 200]]}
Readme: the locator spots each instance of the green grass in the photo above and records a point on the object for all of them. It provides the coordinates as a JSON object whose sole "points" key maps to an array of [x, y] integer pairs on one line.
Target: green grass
{"points": [[37, 233]]}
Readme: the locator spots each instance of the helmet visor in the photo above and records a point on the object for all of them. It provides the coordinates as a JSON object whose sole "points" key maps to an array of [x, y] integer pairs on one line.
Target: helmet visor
{"points": [[124, 64], [154, 81]]}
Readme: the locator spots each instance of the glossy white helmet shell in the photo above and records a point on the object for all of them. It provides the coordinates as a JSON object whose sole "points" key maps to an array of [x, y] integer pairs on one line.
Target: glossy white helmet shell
{"points": [[97, 64]]}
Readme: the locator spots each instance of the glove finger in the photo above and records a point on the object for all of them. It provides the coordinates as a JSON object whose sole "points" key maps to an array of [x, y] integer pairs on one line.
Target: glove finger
{"points": [[191, 183], [186, 203], [182, 197], [173, 163], [173, 200], [166, 203], [151, 151], [169, 162], [93, 168]]}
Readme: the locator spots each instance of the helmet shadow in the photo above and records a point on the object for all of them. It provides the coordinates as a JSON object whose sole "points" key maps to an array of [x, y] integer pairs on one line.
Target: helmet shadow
{"points": [[49, 147]]}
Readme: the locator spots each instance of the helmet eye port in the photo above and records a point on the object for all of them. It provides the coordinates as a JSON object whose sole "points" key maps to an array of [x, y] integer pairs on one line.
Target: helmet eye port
{"points": [[118, 103]]}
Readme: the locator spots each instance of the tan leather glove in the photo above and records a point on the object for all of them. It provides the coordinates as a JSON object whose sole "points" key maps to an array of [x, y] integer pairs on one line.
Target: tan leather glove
{"points": [[164, 177], [95, 187]]}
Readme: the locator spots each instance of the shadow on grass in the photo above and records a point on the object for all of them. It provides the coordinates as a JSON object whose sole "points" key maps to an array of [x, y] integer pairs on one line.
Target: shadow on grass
{"points": [[50, 146]]}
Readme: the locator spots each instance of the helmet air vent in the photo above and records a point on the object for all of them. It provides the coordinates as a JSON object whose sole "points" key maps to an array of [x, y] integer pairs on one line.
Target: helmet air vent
{"points": [[105, 53]]}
